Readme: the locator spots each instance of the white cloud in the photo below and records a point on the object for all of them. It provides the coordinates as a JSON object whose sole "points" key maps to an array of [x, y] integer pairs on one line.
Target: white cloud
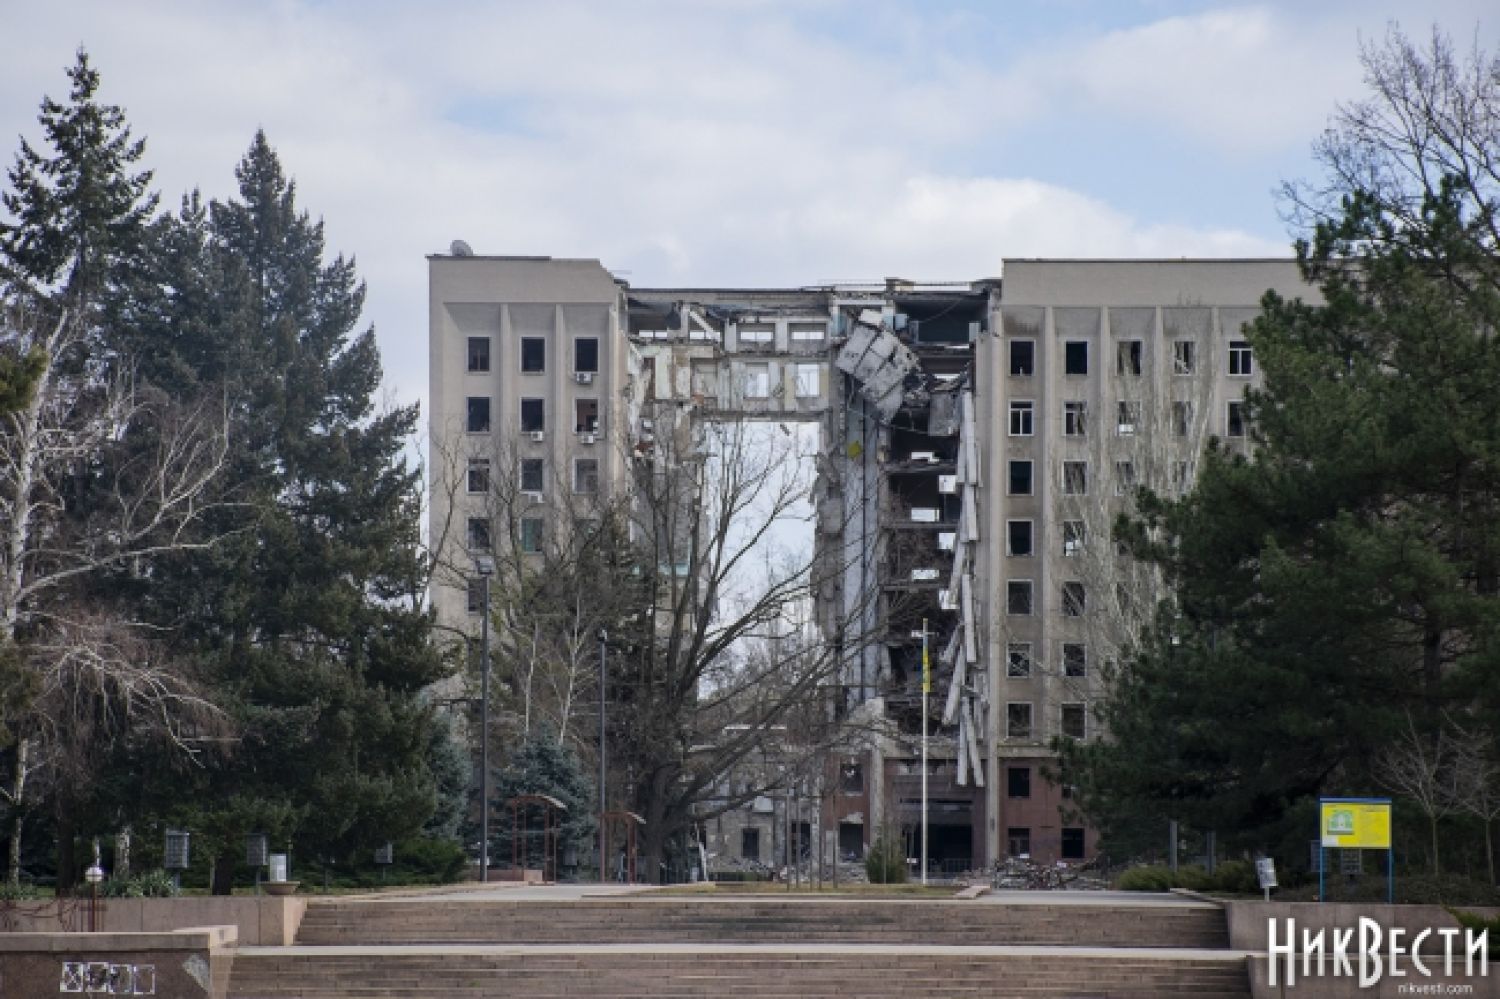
{"points": [[683, 142]]}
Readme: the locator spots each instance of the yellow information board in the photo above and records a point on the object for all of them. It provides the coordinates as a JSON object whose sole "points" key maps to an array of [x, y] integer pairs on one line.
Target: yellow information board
{"points": [[1356, 825]]}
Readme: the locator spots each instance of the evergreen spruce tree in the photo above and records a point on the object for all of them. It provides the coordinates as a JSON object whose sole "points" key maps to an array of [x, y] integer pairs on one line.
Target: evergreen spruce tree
{"points": [[310, 614]]}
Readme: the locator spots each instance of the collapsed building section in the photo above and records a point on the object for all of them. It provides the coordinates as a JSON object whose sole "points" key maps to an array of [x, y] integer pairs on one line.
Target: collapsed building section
{"points": [[975, 444]]}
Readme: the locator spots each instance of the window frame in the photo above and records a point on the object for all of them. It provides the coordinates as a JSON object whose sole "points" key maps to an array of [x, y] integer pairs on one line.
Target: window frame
{"points": [[1030, 534], [579, 480], [479, 362], [1241, 359], [1074, 537], [1075, 366], [528, 467], [1234, 414], [1075, 418], [1184, 357], [541, 363], [1010, 477], [477, 471], [471, 412], [1129, 357], [539, 407], [1029, 344], [1074, 709], [1022, 414], [1080, 660], [1075, 601], [578, 366], [1014, 587], [1011, 715], [1082, 482], [1018, 669]]}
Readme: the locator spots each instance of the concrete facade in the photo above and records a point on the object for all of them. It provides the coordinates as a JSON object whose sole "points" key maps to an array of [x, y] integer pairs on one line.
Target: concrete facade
{"points": [[977, 439]]}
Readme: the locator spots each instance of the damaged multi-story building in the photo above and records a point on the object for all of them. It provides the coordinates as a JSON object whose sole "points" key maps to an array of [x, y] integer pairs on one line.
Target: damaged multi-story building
{"points": [[976, 441]]}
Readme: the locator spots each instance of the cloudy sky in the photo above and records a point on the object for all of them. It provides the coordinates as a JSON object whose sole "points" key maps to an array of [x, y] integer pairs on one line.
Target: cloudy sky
{"points": [[743, 142]]}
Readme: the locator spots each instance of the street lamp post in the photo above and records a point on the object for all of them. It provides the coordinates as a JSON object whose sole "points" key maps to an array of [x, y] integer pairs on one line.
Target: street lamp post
{"points": [[603, 838], [485, 566]]}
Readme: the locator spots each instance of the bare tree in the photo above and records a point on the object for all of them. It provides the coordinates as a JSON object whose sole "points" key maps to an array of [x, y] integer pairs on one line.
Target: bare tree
{"points": [[1476, 782], [1419, 766], [149, 464]]}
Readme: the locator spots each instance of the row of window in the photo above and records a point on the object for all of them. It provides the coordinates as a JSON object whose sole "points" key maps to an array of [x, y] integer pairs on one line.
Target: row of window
{"points": [[1072, 723], [533, 415], [1128, 357], [1019, 602], [1127, 418], [1018, 842], [534, 354], [1075, 478], [533, 475], [755, 380], [1019, 660]]}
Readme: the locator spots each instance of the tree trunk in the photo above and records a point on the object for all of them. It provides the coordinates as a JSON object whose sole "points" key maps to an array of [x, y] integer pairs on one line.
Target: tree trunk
{"points": [[23, 760], [221, 878], [67, 873], [1489, 848]]}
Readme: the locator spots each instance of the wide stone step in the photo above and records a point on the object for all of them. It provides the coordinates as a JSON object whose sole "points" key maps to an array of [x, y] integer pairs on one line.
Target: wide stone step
{"points": [[756, 971], [677, 920]]}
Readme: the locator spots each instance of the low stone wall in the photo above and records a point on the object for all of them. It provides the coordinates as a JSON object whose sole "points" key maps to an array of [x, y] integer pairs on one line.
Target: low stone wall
{"points": [[260, 920], [188, 963], [1249, 930]]}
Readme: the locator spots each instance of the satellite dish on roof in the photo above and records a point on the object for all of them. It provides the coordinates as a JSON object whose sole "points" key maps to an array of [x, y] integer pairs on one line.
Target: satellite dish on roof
{"points": [[461, 249]]}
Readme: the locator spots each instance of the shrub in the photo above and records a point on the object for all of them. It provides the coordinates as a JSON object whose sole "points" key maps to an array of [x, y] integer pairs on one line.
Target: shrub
{"points": [[1152, 877], [885, 864], [16, 892], [1474, 921], [429, 861], [157, 884]]}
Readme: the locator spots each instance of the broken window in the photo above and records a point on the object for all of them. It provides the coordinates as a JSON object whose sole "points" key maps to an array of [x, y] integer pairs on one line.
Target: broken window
{"points": [[757, 334], [1018, 596], [585, 416], [1072, 843], [1235, 425], [533, 415], [1018, 720], [1124, 478], [1072, 537], [533, 355], [479, 475], [1022, 357], [1075, 357], [750, 843], [1018, 537], [479, 414], [852, 777], [1018, 660], [479, 354], [531, 535], [1020, 478], [1073, 599], [1018, 781], [807, 378], [1075, 418], [531, 475], [1018, 841], [586, 475], [1074, 721], [808, 332], [586, 353], [1129, 418], [1184, 357], [479, 534], [756, 381], [1075, 659], [1075, 478], [1128, 357], [1241, 358], [1020, 419], [1182, 418]]}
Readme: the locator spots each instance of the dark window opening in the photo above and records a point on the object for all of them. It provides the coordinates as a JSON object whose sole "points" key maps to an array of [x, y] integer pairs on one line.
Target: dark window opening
{"points": [[479, 353], [1018, 841], [1072, 843], [1020, 478], [479, 414], [1076, 357], [533, 355], [1022, 357], [586, 354], [1018, 782], [533, 415], [586, 416], [750, 843], [531, 475]]}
